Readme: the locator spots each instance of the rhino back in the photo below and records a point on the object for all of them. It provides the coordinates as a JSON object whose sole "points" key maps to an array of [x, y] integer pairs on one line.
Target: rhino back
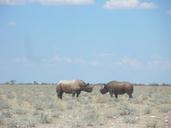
{"points": [[69, 85], [120, 87]]}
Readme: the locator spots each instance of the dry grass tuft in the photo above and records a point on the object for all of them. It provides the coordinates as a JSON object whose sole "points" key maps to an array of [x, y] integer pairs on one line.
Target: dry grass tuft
{"points": [[147, 110], [4, 105], [45, 118], [151, 124], [130, 119], [99, 99]]}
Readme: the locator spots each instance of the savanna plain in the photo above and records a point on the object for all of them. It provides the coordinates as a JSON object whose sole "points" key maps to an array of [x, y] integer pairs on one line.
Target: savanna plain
{"points": [[37, 106]]}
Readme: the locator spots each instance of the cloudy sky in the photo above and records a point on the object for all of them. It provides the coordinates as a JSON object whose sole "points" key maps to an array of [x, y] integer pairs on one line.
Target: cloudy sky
{"points": [[92, 40]]}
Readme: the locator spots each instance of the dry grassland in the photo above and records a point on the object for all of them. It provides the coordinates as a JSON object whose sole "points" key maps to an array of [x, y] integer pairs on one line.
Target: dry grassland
{"points": [[37, 106]]}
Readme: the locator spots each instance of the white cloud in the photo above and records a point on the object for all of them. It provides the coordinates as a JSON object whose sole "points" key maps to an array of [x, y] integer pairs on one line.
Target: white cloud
{"points": [[66, 2], [128, 4], [75, 61], [12, 2], [124, 62], [55, 60], [169, 12], [21, 60], [11, 23], [47, 2], [66, 60], [160, 63], [151, 64], [147, 5], [127, 62]]}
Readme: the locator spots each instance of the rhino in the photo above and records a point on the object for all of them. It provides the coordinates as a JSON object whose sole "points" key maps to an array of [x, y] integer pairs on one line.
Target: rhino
{"points": [[114, 87], [72, 87]]}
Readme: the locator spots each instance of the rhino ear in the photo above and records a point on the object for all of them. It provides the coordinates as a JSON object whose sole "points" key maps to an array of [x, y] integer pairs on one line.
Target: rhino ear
{"points": [[102, 86], [88, 84]]}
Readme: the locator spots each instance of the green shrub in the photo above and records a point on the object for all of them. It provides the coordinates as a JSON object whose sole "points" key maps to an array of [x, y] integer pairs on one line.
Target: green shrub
{"points": [[147, 110], [165, 109], [93, 118], [44, 118], [22, 123], [20, 111], [151, 124], [1, 119], [130, 119], [126, 110], [7, 114], [4, 105]]}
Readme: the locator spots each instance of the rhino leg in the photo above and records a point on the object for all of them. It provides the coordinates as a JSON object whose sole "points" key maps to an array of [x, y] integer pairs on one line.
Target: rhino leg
{"points": [[60, 94], [111, 93], [130, 95], [116, 95], [73, 94], [78, 93]]}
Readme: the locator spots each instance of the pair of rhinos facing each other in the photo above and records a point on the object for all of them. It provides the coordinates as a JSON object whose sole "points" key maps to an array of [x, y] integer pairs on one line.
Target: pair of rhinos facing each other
{"points": [[75, 87]]}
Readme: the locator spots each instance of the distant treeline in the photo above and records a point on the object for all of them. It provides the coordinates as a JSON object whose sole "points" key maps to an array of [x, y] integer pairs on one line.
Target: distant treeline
{"points": [[13, 82], [153, 84]]}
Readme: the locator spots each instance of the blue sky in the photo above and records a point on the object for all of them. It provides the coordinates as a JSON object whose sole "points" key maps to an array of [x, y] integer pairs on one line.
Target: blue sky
{"points": [[96, 41]]}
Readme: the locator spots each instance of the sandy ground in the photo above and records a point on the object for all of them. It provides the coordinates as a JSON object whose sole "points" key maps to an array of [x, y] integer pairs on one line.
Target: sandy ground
{"points": [[168, 120]]}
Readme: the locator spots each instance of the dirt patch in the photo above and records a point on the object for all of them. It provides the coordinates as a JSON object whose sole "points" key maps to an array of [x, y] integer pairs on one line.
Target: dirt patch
{"points": [[168, 120]]}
